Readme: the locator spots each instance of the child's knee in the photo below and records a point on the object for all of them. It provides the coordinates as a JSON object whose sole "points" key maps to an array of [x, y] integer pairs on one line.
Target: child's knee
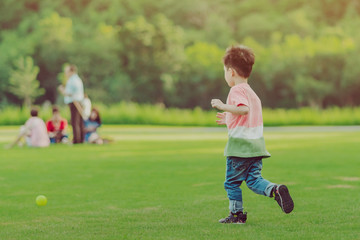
{"points": [[252, 182], [231, 185]]}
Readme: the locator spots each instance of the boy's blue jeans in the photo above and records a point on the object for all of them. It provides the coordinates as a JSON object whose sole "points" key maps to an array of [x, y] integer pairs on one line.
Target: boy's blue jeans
{"points": [[248, 170]]}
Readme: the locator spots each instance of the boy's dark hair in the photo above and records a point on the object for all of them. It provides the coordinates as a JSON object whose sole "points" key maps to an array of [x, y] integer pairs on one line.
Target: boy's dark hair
{"points": [[55, 109], [34, 112], [240, 58]]}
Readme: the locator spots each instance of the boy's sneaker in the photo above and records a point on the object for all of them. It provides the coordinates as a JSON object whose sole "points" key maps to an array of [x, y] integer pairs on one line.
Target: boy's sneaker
{"points": [[237, 218], [283, 198]]}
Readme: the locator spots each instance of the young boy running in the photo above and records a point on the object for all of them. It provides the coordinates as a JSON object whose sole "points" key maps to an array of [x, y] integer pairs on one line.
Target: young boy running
{"points": [[245, 148]]}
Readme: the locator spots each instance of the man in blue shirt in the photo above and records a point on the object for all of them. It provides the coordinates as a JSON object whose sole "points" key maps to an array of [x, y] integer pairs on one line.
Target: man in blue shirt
{"points": [[73, 95]]}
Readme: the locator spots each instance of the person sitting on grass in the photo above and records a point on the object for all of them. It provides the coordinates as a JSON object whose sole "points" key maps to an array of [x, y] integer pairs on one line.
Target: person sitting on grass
{"points": [[56, 127], [34, 132], [91, 126], [245, 149]]}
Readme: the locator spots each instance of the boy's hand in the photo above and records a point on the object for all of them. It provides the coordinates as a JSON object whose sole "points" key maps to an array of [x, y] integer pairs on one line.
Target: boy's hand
{"points": [[222, 118], [216, 103]]}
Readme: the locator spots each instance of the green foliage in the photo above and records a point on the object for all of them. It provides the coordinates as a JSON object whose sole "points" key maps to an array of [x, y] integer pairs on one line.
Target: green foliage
{"points": [[56, 30], [170, 52], [13, 45], [304, 68], [23, 82], [55, 35], [152, 52], [129, 113], [309, 116], [310, 91], [201, 77], [132, 113]]}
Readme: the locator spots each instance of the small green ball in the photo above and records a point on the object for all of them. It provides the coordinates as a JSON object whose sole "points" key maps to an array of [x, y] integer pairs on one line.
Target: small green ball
{"points": [[41, 200]]}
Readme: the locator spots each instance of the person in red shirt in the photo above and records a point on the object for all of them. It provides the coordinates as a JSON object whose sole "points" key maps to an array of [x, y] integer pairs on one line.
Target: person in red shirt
{"points": [[56, 127]]}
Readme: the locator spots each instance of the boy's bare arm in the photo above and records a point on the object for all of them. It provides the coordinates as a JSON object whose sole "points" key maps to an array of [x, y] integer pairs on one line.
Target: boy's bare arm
{"points": [[237, 110]]}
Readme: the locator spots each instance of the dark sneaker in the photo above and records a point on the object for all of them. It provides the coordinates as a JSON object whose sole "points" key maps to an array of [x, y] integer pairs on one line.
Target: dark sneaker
{"points": [[283, 198], [237, 218]]}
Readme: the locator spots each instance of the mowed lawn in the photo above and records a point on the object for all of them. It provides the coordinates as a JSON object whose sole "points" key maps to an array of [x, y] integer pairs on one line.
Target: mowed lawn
{"points": [[167, 183]]}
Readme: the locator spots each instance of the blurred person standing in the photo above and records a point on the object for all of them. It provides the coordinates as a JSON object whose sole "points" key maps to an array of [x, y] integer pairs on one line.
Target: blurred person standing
{"points": [[73, 95]]}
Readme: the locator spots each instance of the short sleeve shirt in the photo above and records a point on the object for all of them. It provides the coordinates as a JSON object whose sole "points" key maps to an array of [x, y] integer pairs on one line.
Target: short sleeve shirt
{"points": [[74, 87], [38, 133], [245, 131], [53, 128]]}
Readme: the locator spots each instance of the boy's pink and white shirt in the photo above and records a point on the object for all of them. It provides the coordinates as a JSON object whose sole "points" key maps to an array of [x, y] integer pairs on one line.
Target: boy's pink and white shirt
{"points": [[245, 131]]}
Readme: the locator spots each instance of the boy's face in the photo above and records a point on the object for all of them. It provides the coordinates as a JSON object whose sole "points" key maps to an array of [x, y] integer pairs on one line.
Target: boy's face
{"points": [[228, 74]]}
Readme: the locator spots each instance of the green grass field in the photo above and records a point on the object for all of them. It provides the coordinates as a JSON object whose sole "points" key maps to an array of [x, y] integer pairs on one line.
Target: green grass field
{"points": [[167, 183]]}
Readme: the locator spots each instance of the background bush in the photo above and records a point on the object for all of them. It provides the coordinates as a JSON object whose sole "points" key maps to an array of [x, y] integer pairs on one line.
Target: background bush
{"points": [[169, 51], [133, 113]]}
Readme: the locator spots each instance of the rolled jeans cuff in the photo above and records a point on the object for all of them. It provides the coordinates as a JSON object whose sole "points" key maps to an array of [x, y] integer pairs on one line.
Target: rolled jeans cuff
{"points": [[268, 189], [235, 206]]}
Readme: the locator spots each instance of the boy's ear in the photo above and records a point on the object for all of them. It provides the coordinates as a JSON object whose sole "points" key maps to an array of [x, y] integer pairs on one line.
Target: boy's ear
{"points": [[232, 72]]}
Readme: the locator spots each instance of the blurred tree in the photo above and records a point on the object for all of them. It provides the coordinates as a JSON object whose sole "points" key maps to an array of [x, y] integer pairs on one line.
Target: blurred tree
{"points": [[217, 29], [310, 91], [54, 37], [350, 79], [23, 82], [202, 77], [13, 44], [12, 14], [150, 50], [96, 56], [333, 10]]}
